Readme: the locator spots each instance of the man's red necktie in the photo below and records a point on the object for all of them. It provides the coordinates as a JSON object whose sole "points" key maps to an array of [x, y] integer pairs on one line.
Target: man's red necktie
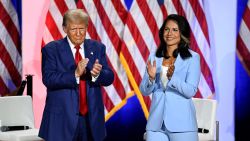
{"points": [[82, 86]]}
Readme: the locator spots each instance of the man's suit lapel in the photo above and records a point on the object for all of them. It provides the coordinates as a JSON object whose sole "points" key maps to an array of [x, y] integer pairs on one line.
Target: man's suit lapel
{"points": [[89, 53], [67, 54], [86, 48]]}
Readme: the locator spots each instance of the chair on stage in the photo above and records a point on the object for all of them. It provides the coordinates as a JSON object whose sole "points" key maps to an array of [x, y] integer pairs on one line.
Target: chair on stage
{"points": [[17, 119], [208, 127]]}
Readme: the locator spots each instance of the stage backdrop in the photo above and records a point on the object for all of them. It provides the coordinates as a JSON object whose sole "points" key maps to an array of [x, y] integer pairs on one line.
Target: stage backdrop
{"points": [[242, 91], [129, 29]]}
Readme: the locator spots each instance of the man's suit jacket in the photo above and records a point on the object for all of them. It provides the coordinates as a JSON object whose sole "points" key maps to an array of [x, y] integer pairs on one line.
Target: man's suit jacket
{"points": [[172, 105], [61, 111]]}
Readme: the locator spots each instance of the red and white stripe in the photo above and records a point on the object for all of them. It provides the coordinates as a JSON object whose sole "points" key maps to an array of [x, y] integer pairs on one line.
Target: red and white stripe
{"points": [[141, 37], [130, 36], [195, 16], [10, 48], [105, 26], [243, 42]]}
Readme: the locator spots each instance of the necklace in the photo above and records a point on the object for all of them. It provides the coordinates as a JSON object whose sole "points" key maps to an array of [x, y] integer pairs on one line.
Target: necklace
{"points": [[169, 61]]}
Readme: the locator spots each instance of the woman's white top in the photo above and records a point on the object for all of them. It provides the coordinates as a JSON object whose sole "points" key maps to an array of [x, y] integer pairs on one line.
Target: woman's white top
{"points": [[164, 78]]}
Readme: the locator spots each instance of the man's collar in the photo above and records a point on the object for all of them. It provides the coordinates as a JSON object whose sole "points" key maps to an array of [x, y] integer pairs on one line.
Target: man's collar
{"points": [[72, 46]]}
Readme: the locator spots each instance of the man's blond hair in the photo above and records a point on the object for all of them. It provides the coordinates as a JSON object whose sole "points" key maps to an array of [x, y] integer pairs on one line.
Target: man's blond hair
{"points": [[75, 16]]}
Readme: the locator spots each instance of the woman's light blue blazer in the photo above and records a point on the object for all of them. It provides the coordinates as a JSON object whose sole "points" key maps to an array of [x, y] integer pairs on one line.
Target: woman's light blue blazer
{"points": [[172, 105]]}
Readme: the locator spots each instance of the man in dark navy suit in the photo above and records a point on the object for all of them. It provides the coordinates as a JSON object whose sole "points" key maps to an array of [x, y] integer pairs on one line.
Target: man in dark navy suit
{"points": [[73, 70]]}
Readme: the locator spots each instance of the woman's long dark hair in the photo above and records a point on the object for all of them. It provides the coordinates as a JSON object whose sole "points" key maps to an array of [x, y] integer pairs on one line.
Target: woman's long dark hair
{"points": [[183, 46]]}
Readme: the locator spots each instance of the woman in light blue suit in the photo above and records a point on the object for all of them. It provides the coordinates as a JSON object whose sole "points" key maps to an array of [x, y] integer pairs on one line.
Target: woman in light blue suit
{"points": [[172, 77]]}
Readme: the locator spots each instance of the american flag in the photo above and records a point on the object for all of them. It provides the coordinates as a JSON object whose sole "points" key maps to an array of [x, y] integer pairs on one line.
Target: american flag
{"points": [[130, 34], [10, 48], [243, 42]]}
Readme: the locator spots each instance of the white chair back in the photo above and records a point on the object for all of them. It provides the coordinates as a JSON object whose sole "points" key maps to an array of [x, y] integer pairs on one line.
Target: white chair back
{"points": [[206, 117], [16, 111]]}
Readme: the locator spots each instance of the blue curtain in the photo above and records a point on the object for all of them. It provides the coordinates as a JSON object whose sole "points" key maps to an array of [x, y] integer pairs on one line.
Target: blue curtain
{"points": [[242, 89]]}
